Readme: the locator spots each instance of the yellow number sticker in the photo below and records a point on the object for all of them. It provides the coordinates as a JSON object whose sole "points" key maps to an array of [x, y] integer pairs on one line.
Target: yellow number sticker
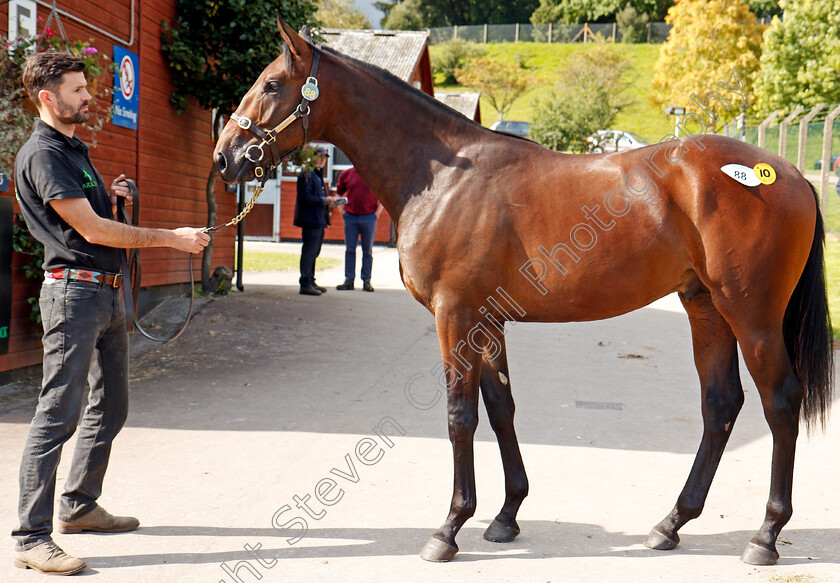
{"points": [[765, 173]]}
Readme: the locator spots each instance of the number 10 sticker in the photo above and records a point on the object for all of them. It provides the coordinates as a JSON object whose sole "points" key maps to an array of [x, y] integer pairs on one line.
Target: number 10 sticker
{"points": [[765, 173]]}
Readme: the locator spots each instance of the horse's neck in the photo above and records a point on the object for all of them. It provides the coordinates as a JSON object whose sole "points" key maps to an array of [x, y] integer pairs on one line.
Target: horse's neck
{"points": [[392, 135]]}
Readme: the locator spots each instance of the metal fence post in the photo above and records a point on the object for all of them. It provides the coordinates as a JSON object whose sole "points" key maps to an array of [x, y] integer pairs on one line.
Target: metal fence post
{"points": [[485, 33], [762, 127], [516, 40], [549, 32], [613, 37], [803, 135], [783, 129], [455, 32], [826, 156]]}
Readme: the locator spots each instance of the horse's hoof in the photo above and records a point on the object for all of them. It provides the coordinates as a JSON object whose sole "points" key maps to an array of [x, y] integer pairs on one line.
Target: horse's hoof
{"points": [[661, 542], [499, 532], [437, 551], [757, 555]]}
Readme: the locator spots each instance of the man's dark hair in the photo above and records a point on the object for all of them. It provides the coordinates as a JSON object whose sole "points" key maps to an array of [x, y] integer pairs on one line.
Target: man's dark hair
{"points": [[45, 70]]}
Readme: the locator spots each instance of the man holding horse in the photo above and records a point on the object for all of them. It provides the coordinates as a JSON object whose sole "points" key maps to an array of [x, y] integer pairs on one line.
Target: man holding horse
{"points": [[67, 208]]}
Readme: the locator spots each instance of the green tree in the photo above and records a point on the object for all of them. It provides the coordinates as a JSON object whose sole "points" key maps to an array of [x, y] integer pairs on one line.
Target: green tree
{"points": [[589, 95], [341, 14], [499, 82], [631, 25], [574, 11], [765, 7], [451, 12], [411, 15], [215, 50], [452, 55], [708, 39], [801, 58]]}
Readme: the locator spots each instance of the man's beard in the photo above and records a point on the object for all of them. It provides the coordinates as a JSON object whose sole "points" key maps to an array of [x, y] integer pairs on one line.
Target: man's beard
{"points": [[66, 113]]}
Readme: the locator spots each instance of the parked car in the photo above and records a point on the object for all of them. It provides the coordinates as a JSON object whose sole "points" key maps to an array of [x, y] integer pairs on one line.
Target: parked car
{"points": [[517, 128], [614, 141], [835, 163]]}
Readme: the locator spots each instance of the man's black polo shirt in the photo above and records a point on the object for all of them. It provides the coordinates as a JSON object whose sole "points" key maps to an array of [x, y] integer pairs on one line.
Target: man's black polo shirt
{"points": [[51, 166]]}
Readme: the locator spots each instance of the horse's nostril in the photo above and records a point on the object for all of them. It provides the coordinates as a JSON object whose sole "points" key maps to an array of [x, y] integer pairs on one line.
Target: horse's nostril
{"points": [[221, 161]]}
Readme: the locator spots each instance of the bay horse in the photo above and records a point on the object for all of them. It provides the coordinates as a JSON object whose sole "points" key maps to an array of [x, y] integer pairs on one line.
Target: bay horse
{"points": [[493, 229]]}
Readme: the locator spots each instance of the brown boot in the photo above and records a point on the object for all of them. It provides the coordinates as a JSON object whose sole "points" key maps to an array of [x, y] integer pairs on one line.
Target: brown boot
{"points": [[49, 559], [98, 520]]}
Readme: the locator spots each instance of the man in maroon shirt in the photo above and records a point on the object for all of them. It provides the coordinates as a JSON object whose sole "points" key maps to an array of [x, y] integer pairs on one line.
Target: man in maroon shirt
{"points": [[360, 215]]}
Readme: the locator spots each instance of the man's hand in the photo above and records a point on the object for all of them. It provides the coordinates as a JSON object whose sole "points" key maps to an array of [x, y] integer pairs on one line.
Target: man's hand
{"points": [[119, 188], [190, 239], [331, 199]]}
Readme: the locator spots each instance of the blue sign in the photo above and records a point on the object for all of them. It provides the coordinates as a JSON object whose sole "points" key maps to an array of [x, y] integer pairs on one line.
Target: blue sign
{"points": [[126, 89], [4, 182]]}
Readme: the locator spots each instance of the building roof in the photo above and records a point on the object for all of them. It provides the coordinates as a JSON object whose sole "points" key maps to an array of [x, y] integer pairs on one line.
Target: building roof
{"points": [[464, 102], [396, 51]]}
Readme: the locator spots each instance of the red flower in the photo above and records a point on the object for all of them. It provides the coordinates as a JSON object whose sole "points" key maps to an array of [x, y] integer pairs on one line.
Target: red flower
{"points": [[48, 32]]}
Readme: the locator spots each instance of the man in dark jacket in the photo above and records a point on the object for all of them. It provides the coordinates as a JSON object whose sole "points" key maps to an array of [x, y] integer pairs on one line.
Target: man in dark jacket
{"points": [[311, 216]]}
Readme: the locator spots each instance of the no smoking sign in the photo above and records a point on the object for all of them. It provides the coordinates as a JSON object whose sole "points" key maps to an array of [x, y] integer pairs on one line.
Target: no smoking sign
{"points": [[126, 89], [127, 77]]}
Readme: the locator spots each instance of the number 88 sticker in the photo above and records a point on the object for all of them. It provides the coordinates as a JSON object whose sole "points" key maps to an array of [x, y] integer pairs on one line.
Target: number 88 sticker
{"points": [[765, 173]]}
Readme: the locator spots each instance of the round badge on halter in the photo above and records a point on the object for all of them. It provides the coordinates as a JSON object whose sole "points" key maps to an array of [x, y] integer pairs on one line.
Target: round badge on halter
{"points": [[310, 90]]}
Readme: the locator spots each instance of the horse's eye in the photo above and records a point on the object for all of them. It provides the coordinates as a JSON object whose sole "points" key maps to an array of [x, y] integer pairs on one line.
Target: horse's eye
{"points": [[272, 87]]}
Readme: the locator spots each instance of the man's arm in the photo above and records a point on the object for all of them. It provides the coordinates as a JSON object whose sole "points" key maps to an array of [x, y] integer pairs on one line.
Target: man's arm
{"points": [[78, 213]]}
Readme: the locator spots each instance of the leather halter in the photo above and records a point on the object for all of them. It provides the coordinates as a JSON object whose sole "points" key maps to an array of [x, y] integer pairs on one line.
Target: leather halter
{"points": [[310, 93]]}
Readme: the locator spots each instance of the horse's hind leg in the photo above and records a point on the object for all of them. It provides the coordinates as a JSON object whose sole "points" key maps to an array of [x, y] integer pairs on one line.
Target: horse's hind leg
{"points": [[498, 400], [781, 397], [716, 359]]}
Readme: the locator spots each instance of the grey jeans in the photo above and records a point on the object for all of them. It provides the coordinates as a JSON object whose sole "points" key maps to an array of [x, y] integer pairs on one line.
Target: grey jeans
{"points": [[85, 342]]}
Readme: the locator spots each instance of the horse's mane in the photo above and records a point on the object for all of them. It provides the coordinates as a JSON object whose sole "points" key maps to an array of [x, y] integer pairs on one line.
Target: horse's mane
{"points": [[390, 79]]}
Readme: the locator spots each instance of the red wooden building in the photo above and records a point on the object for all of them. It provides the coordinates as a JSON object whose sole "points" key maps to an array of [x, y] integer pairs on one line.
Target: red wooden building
{"points": [[169, 154], [404, 54]]}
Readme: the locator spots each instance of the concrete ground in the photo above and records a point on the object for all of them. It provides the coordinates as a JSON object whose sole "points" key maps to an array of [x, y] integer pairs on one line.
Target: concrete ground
{"points": [[275, 442]]}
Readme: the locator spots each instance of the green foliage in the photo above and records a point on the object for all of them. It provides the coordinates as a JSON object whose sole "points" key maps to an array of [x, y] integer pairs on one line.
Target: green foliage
{"points": [[589, 95], [575, 11], [801, 58], [302, 160], [765, 7], [708, 39], [416, 14], [499, 82], [341, 14], [411, 15], [216, 48], [452, 55], [15, 107], [23, 242], [631, 24]]}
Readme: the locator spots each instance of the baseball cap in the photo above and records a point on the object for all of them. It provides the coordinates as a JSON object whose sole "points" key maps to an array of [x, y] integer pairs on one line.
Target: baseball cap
{"points": [[322, 152]]}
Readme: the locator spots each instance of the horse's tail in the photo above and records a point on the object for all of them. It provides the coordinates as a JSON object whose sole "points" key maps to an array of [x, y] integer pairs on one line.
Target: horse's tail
{"points": [[807, 331]]}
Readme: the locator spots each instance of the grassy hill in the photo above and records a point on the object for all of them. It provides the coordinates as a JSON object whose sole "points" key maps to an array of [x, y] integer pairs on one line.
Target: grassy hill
{"points": [[545, 60]]}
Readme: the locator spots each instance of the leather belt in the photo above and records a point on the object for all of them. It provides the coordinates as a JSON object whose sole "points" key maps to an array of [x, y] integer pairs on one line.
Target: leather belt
{"points": [[74, 274]]}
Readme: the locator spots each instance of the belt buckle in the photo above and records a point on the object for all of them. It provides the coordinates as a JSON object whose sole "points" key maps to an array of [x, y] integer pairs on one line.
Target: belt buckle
{"points": [[117, 280]]}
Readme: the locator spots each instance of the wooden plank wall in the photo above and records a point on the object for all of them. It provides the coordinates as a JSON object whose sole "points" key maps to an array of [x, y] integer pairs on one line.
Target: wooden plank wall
{"points": [[169, 156]]}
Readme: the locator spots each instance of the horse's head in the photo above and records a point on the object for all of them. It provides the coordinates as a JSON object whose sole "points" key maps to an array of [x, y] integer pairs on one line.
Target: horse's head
{"points": [[274, 115]]}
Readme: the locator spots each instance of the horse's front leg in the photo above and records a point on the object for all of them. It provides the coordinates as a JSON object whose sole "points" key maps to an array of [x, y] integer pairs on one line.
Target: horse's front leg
{"points": [[463, 368], [498, 400]]}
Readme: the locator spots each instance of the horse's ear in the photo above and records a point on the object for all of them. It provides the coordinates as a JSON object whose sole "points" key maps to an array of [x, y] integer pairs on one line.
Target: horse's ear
{"points": [[292, 39]]}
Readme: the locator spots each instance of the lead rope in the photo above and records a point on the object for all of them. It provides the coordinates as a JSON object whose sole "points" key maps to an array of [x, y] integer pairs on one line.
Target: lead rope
{"points": [[130, 262]]}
